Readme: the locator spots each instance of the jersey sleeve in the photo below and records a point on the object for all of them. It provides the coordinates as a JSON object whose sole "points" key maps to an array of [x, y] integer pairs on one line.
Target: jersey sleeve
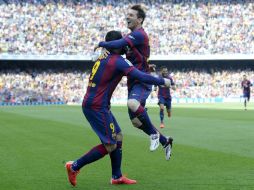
{"points": [[135, 38], [124, 66], [146, 78], [114, 44]]}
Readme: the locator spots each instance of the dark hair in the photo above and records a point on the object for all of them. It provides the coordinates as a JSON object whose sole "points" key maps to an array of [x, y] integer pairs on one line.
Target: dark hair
{"points": [[113, 35], [141, 12]]}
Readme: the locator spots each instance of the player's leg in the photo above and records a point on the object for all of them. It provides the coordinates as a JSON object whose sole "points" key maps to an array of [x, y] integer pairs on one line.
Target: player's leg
{"points": [[136, 101], [168, 106], [245, 103], [247, 99], [245, 96], [116, 155], [140, 118], [99, 121], [116, 159], [161, 104]]}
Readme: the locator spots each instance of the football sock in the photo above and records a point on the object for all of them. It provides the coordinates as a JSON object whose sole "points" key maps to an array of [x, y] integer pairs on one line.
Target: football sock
{"points": [[147, 125], [161, 115], [116, 160], [94, 154], [163, 139]]}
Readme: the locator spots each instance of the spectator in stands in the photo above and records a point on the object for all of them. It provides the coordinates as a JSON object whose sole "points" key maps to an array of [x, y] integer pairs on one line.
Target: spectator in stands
{"points": [[179, 27]]}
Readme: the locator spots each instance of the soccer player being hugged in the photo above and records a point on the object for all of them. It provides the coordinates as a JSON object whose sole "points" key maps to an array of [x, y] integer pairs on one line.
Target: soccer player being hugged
{"points": [[164, 96], [246, 84], [138, 54], [106, 74]]}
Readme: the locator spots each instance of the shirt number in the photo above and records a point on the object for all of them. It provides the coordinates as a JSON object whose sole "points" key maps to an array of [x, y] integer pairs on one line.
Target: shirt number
{"points": [[112, 127], [95, 68]]}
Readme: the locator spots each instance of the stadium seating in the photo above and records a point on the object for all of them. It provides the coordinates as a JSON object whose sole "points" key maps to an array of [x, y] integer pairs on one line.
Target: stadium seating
{"points": [[52, 27], [69, 86]]}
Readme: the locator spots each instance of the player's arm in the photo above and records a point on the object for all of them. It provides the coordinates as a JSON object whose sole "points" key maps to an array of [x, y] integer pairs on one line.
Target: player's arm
{"points": [[115, 44], [133, 39], [127, 68], [147, 78]]}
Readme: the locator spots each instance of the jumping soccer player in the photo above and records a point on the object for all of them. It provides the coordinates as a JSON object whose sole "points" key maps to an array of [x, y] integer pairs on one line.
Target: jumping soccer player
{"points": [[106, 74], [246, 84], [164, 96], [138, 53]]}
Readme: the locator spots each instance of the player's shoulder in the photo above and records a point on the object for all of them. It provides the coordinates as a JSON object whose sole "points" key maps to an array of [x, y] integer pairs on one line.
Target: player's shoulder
{"points": [[137, 34], [121, 60]]}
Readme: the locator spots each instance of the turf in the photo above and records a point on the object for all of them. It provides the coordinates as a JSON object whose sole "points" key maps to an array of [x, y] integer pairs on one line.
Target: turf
{"points": [[213, 149]]}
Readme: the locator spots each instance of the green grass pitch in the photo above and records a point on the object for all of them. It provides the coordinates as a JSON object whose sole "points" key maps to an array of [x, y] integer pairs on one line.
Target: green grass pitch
{"points": [[213, 149]]}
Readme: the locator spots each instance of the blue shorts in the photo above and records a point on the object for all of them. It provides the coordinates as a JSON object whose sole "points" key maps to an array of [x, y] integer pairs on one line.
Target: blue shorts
{"points": [[166, 102], [140, 93], [246, 95], [103, 123]]}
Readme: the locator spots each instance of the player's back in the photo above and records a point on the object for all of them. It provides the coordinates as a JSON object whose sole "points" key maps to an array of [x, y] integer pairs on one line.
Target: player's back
{"points": [[102, 82]]}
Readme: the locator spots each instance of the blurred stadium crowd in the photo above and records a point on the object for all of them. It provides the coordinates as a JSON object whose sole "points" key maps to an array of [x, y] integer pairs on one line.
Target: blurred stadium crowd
{"points": [[69, 86], [52, 27]]}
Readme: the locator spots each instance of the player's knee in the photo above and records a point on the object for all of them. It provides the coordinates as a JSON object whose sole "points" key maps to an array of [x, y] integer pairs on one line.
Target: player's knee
{"points": [[136, 122], [161, 107], [110, 147], [133, 104], [119, 137]]}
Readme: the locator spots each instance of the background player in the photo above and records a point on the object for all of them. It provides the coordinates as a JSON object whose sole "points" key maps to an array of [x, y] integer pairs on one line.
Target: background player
{"points": [[246, 84], [164, 96], [138, 53], [106, 74]]}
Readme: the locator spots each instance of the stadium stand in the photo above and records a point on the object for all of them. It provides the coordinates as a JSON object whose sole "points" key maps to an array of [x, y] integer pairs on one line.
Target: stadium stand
{"points": [[51, 27], [68, 27], [69, 86]]}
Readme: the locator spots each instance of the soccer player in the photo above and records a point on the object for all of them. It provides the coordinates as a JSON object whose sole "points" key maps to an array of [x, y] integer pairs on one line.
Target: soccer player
{"points": [[246, 84], [164, 96], [106, 74], [138, 53]]}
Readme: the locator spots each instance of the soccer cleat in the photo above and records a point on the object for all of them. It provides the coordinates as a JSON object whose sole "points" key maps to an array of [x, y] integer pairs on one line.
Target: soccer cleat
{"points": [[72, 175], [122, 180], [155, 141], [162, 125], [168, 147]]}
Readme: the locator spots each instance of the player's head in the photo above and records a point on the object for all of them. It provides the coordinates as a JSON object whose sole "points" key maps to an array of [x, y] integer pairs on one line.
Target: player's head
{"points": [[164, 71], [135, 17], [114, 35], [244, 77]]}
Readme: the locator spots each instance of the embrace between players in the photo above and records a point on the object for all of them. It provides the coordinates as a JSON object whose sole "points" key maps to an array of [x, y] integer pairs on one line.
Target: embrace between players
{"points": [[107, 72]]}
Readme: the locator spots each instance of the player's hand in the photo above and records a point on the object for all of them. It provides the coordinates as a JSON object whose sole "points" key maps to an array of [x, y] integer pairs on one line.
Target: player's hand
{"points": [[173, 87], [167, 82]]}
